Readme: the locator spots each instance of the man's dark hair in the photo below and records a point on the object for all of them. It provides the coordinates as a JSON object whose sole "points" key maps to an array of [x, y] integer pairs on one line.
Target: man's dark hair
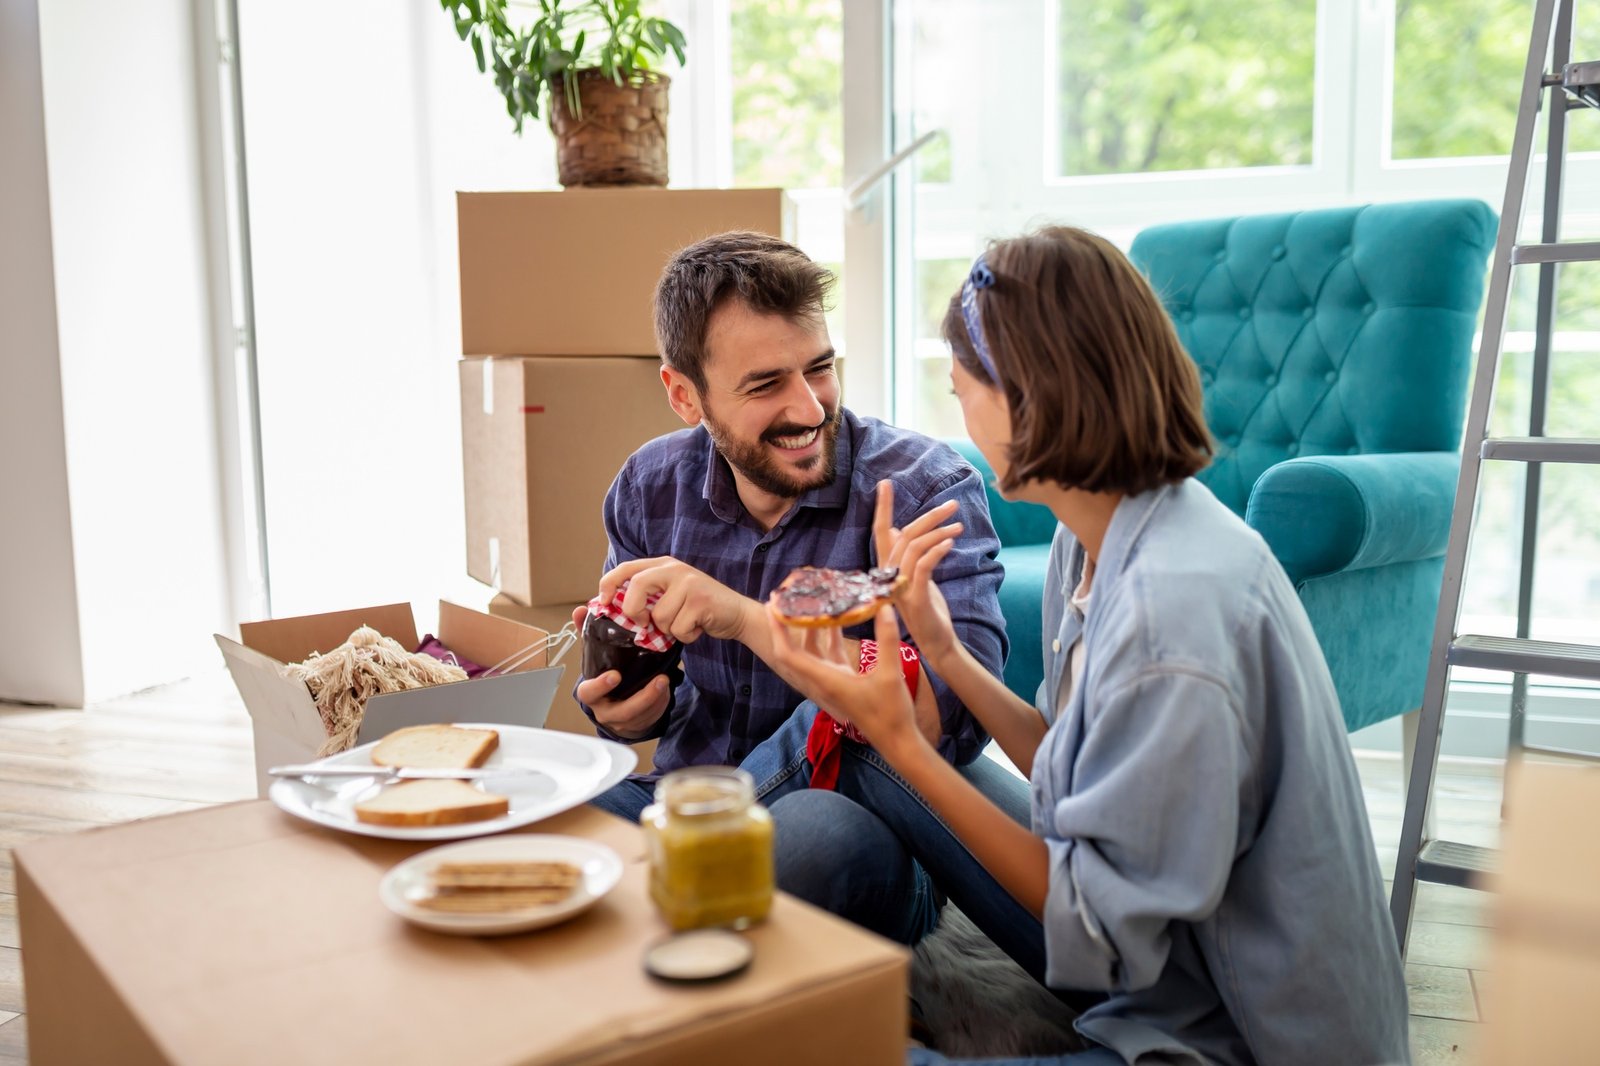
{"points": [[767, 275]]}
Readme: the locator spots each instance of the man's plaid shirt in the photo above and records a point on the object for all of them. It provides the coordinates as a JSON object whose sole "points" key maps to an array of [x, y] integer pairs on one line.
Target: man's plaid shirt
{"points": [[676, 497]]}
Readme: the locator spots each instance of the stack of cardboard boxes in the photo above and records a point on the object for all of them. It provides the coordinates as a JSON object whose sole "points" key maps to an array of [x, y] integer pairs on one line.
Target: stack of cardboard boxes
{"points": [[562, 377]]}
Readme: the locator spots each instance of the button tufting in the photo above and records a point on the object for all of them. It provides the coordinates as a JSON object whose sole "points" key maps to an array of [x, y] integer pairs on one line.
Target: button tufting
{"points": [[1272, 379], [1186, 315], [1369, 308], [1307, 312], [1292, 448], [1345, 251], [1244, 312], [1331, 376], [1279, 252], [1221, 255]]}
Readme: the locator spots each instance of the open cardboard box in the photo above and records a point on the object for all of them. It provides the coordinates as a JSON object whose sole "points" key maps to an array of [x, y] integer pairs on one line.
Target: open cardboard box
{"points": [[284, 718]]}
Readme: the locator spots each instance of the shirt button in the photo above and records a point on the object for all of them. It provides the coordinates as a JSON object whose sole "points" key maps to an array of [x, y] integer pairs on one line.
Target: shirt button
{"points": [[1055, 645], [744, 690], [762, 547]]}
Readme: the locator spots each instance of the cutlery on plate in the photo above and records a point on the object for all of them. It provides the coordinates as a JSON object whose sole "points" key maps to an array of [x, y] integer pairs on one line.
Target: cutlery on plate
{"points": [[404, 773]]}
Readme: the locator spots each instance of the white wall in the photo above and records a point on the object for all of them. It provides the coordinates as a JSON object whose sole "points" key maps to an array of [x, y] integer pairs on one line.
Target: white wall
{"points": [[355, 157], [38, 602], [122, 138]]}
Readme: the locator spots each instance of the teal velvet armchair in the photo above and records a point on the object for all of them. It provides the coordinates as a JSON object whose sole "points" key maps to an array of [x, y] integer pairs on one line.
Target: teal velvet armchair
{"points": [[1334, 349]]}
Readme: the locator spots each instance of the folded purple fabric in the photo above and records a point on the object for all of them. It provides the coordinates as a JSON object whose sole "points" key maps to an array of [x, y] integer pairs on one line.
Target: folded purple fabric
{"points": [[432, 645]]}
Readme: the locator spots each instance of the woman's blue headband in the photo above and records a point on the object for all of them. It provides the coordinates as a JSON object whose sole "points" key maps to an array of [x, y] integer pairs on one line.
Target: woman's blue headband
{"points": [[981, 277]]}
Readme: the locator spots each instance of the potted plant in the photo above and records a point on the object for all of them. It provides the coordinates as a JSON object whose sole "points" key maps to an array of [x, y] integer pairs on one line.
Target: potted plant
{"points": [[593, 63]]}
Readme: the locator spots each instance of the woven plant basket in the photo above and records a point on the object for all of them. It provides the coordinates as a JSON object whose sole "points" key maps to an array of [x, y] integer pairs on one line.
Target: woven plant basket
{"points": [[621, 138]]}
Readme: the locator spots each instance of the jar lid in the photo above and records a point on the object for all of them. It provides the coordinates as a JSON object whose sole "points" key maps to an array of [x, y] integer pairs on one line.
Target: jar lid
{"points": [[645, 634], [699, 955]]}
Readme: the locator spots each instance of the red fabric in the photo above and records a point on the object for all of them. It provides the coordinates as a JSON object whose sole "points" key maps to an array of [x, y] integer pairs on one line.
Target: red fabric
{"points": [[826, 739], [645, 634]]}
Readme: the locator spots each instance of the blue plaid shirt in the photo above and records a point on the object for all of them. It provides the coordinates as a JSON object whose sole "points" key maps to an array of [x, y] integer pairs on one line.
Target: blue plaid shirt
{"points": [[676, 497]]}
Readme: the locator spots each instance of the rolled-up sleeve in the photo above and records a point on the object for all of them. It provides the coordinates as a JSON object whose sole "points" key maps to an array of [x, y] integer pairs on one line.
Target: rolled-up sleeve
{"points": [[623, 545], [969, 577], [1149, 832]]}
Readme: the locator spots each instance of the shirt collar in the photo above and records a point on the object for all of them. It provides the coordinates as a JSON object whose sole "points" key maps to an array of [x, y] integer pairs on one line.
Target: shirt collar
{"points": [[1128, 523], [722, 492]]}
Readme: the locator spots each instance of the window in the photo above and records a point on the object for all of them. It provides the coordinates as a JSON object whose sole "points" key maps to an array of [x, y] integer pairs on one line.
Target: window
{"points": [[1457, 74], [1118, 114], [1158, 85]]}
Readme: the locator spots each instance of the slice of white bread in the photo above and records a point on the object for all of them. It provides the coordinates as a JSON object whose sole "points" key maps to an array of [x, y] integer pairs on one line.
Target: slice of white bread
{"points": [[431, 803], [441, 746]]}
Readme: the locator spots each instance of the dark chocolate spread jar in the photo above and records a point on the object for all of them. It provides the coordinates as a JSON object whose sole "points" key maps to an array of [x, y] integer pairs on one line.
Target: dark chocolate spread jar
{"points": [[609, 646]]}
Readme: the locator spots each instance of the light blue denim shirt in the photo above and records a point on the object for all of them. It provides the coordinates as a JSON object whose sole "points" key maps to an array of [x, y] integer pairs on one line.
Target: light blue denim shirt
{"points": [[1210, 861]]}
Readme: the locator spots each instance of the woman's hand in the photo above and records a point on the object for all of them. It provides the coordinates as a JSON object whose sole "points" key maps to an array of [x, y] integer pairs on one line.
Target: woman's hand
{"points": [[917, 550], [814, 660]]}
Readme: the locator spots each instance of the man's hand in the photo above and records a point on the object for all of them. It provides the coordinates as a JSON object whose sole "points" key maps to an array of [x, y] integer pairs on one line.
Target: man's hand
{"points": [[633, 717], [692, 604]]}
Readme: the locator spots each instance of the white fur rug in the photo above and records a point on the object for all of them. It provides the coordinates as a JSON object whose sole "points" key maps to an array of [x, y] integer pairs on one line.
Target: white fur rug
{"points": [[976, 1003]]}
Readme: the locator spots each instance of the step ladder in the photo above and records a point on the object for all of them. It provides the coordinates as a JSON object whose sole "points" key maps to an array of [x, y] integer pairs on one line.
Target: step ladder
{"points": [[1570, 86]]}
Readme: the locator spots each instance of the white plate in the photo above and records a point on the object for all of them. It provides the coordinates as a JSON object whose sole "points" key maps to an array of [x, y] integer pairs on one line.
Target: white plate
{"points": [[600, 865], [564, 770]]}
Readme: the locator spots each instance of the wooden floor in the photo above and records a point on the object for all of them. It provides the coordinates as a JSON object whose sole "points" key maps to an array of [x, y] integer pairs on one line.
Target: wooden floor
{"points": [[187, 745]]}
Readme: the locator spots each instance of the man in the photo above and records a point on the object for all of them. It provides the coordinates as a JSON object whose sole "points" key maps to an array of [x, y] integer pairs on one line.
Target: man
{"points": [[776, 474]]}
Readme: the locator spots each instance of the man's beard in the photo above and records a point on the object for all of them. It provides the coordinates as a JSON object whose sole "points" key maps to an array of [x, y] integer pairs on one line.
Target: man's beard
{"points": [[760, 467]]}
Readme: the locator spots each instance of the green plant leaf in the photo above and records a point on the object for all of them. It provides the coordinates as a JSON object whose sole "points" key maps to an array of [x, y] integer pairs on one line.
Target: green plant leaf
{"points": [[477, 50]]}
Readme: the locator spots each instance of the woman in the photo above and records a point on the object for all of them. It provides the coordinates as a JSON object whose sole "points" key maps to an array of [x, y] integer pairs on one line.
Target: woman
{"points": [[1199, 869]]}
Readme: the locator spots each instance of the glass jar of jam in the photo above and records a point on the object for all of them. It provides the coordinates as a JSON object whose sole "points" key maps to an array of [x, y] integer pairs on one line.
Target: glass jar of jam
{"points": [[609, 646], [710, 846]]}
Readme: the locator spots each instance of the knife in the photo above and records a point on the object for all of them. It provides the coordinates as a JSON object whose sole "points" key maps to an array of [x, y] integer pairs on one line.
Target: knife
{"points": [[404, 773]]}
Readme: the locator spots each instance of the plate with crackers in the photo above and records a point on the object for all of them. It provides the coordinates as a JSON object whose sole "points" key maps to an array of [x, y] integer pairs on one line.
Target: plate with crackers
{"points": [[452, 780], [507, 885]]}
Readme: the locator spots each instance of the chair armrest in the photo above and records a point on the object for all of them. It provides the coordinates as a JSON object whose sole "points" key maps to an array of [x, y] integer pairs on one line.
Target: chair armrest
{"points": [[1327, 514]]}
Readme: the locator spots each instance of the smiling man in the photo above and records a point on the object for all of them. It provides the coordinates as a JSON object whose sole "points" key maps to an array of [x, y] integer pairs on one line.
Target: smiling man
{"points": [[775, 474]]}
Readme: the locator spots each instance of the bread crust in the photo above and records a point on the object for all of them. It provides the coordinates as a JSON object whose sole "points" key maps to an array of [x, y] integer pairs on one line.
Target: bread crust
{"points": [[377, 812], [854, 616], [488, 741]]}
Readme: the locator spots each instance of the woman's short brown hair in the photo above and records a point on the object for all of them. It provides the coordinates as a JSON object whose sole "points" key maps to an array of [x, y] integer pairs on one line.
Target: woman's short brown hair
{"points": [[1101, 393], [768, 275]]}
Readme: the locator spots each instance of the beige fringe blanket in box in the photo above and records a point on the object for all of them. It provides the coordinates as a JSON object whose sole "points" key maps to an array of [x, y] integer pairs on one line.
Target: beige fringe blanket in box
{"points": [[369, 663]]}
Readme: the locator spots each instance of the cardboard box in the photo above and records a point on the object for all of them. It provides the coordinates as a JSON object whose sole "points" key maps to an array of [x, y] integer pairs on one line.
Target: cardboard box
{"points": [[284, 718], [541, 441], [565, 712], [1545, 958], [574, 272], [240, 935]]}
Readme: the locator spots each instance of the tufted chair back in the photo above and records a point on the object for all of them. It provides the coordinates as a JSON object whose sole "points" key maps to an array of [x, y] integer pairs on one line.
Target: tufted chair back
{"points": [[1334, 349], [1335, 332]]}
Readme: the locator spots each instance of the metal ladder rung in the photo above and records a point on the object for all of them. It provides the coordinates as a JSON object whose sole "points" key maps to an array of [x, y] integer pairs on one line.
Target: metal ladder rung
{"points": [[1542, 449], [1526, 656], [1564, 252], [1442, 862]]}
